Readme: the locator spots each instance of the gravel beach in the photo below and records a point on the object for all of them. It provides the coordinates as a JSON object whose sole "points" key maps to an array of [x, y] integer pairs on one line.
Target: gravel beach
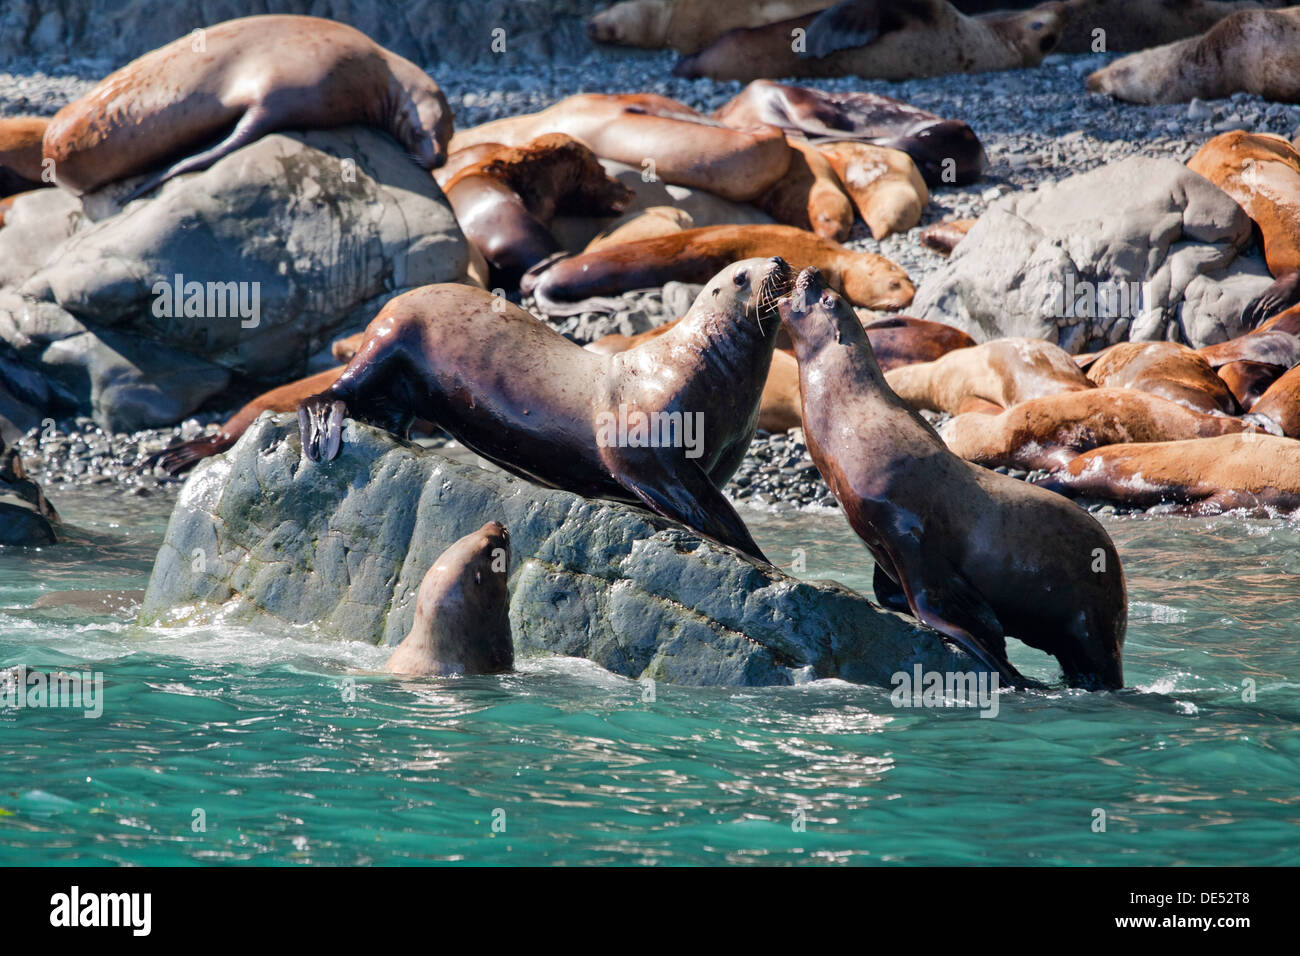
{"points": [[1037, 125]]}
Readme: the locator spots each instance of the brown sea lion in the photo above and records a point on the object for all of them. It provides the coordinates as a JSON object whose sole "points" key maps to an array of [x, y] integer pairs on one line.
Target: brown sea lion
{"points": [[943, 237], [810, 195], [20, 154], [899, 340], [654, 133], [976, 555], [285, 398], [1281, 403], [1248, 381], [627, 427], [885, 185], [462, 611], [565, 286], [1262, 173], [1167, 369], [990, 377], [687, 25], [947, 152], [505, 202], [204, 96], [1251, 51], [914, 38], [1252, 472], [1048, 432], [655, 221]]}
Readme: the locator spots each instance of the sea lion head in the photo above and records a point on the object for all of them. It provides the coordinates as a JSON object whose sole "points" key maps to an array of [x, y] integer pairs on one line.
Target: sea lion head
{"points": [[423, 124], [815, 316], [1036, 32], [751, 288], [642, 23], [461, 611]]}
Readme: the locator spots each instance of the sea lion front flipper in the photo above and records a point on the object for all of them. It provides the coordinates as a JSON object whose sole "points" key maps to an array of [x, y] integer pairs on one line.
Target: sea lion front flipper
{"points": [[888, 592], [941, 597], [1280, 296], [855, 23], [689, 496], [320, 426]]}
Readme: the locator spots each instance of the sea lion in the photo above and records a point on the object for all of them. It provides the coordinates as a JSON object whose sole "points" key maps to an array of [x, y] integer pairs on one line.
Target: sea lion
{"points": [[505, 202], [1251, 51], [20, 154], [249, 77], [565, 286], [947, 152], [943, 237], [778, 406], [1248, 381], [1262, 173], [1124, 25], [1280, 404], [1048, 432], [462, 611], [687, 25], [990, 377], [899, 340], [185, 455], [1167, 369], [976, 555], [885, 185], [810, 195], [521, 395], [1255, 473], [915, 38], [655, 221], [656, 134]]}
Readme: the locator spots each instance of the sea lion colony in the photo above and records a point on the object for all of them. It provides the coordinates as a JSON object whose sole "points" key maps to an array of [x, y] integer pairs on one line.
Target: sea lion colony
{"points": [[757, 348]]}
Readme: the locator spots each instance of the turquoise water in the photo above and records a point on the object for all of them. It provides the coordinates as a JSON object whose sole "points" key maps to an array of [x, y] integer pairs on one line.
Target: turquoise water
{"points": [[572, 765]]}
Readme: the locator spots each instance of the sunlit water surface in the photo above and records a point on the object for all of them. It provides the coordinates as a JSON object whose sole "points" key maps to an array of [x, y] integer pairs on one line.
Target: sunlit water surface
{"points": [[230, 745]]}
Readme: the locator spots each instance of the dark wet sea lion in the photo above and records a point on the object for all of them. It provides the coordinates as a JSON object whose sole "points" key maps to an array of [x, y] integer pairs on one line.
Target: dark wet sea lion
{"points": [[947, 152], [20, 154], [1252, 51], [521, 395], [1167, 369], [1262, 173], [974, 554], [1050, 431], [990, 377], [1252, 472], [695, 255], [252, 76], [921, 38], [1124, 25], [656, 134], [1281, 403], [462, 611], [505, 202]]}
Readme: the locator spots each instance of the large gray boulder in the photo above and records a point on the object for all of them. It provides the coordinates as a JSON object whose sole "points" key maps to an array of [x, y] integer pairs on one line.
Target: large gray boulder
{"points": [[143, 312], [262, 536], [1136, 250]]}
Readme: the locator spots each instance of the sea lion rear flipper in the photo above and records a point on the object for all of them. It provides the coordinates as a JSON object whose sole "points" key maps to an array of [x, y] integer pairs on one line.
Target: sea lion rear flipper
{"points": [[855, 23], [320, 426], [246, 130], [1280, 296], [687, 495]]}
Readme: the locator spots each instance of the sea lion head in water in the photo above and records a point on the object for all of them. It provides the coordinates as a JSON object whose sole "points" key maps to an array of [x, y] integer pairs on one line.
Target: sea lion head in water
{"points": [[462, 621], [976, 555]]}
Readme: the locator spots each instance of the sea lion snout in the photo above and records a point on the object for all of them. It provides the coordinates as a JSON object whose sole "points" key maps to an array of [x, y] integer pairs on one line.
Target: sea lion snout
{"points": [[804, 294]]}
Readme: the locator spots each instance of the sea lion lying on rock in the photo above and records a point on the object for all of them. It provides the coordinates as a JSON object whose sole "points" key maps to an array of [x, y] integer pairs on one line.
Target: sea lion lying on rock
{"points": [[1167, 369]]}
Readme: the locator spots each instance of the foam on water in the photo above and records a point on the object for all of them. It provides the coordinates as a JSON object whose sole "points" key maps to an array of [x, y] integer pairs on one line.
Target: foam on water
{"points": [[294, 749]]}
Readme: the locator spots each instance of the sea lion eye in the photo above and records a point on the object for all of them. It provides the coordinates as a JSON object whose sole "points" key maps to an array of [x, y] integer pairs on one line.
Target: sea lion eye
{"points": [[740, 278], [828, 300], [1038, 24]]}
